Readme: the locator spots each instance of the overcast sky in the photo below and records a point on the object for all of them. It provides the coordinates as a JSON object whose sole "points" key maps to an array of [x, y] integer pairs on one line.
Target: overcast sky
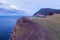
{"points": [[31, 6]]}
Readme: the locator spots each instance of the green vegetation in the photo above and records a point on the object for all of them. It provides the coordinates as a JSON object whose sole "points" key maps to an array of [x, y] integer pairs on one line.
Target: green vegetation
{"points": [[50, 22]]}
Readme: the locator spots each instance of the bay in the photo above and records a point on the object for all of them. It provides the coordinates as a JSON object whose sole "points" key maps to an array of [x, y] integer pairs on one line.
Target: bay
{"points": [[7, 24]]}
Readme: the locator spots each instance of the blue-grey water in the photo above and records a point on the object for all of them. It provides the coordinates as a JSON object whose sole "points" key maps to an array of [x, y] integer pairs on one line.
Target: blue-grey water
{"points": [[6, 26]]}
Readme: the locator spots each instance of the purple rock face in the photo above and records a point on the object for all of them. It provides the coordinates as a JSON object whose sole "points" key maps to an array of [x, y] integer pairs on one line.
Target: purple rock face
{"points": [[26, 29]]}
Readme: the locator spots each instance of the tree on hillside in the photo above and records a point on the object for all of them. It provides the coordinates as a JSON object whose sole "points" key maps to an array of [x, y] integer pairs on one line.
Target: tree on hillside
{"points": [[50, 13]]}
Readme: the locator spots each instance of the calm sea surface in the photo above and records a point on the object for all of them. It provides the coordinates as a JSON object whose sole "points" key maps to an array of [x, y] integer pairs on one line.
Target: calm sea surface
{"points": [[6, 26]]}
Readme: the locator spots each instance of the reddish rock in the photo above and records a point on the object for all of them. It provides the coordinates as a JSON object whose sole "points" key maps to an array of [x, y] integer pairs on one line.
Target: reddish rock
{"points": [[27, 29]]}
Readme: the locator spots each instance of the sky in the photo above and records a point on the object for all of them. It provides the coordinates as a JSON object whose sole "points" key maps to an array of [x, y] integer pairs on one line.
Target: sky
{"points": [[31, 6]]}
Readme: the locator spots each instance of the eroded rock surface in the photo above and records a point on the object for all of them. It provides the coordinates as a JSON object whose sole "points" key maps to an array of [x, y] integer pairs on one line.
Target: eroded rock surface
{"points": [[27, 29]]}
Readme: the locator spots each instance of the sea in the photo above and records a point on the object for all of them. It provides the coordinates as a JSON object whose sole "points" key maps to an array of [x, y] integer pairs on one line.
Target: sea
{"points": [[7, 24]]}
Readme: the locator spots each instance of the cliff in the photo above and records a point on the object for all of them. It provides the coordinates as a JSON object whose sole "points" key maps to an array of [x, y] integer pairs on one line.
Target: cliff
{"points": [[28, 29]]}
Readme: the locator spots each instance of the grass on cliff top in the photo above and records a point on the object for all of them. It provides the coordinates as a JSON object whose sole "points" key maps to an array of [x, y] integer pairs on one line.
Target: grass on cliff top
{"points": [[51, 22]]}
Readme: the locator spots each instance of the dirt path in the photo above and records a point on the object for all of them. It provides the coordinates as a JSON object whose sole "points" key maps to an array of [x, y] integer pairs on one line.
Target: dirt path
{"points": [[26, 29]]}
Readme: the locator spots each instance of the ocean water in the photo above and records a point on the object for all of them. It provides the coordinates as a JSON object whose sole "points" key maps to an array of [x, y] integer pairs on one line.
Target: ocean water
{"points": [[6, 26]]}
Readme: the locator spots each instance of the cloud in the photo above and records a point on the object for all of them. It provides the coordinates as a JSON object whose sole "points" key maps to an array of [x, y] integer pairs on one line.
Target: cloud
{"points": [[58, 4], [18, 8], [4, 1], [1, 3], [14, 7]]}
